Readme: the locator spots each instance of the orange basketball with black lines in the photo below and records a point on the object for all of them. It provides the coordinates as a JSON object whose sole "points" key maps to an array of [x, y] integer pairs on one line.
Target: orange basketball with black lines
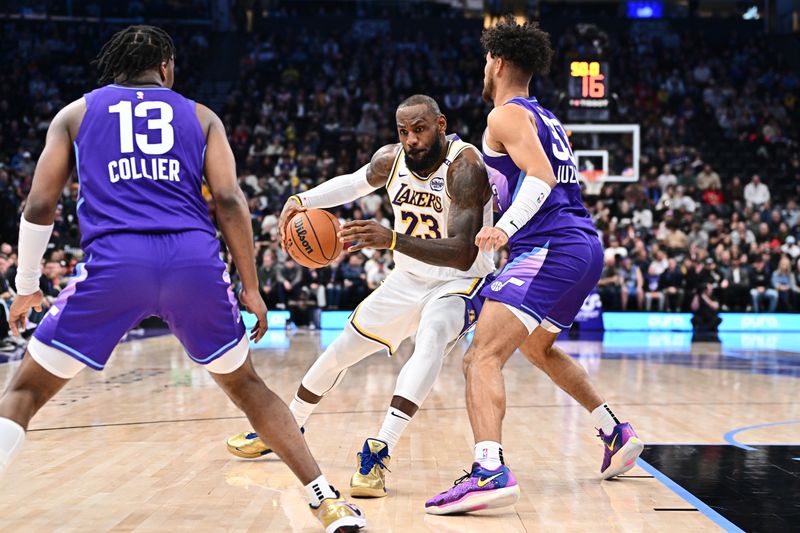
{"points": [[311, 238]]}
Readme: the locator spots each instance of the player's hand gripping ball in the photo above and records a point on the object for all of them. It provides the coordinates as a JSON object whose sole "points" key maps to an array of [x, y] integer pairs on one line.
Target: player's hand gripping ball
{"points": [[310, 238]]}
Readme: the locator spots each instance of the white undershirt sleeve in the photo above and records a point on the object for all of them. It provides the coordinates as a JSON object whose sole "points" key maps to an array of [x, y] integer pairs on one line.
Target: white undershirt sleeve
{"points": [[337, 191]]}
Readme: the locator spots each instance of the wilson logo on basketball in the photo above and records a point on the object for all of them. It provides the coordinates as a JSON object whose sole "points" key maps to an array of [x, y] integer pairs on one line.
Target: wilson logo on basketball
{"points": [[301, 235]]}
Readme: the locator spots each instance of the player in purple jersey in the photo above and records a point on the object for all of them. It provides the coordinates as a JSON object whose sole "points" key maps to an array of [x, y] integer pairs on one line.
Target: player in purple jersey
{"points": [[140, 152], [554, 263]]}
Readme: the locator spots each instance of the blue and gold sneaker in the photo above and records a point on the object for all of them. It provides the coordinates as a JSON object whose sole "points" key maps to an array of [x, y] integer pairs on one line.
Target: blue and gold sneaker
{"points": [[369, 480], [249, 446]]}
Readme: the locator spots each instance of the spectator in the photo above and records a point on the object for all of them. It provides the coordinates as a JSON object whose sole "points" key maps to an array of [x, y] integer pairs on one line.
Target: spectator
{"points": [[762, 290], [6, 298], [667, 178], [289, 278], [791, 248], [671, 285], [756, 194], [714, 198], [676, 241], [268, 279], [354, 281], [376, 276], [632, 284], [614, 249], [708, 179], [784, 284], [736, 286], [610, 285]]}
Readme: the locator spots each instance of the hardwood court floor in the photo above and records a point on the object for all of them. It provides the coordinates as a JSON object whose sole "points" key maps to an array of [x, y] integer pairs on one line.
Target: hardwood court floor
{"points": [[139, 447]]}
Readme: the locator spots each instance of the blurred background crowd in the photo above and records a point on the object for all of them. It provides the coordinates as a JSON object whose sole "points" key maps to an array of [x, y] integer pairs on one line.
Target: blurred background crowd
{"points": [[714, 212]]}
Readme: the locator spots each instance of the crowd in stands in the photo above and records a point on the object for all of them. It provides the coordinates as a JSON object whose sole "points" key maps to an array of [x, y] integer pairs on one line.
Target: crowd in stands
{"points": [[713, 218]]}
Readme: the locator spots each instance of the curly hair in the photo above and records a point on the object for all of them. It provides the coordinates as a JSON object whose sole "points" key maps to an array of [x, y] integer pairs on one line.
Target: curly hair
{"points": [[132, 51], [525, 46]]}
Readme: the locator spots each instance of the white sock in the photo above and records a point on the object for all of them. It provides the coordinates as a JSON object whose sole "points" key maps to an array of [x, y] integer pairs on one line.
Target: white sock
{"points": [[393, 426], [318, 490], [12, 436], [301, 410], [489, 454], [603, 418]]}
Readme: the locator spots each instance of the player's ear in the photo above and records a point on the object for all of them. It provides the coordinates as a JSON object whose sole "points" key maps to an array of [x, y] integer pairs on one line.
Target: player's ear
{"points": [[499, 65], [442, 123]]}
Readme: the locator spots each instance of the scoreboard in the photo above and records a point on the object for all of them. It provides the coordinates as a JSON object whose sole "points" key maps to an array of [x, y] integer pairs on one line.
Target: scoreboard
{"points": [[588, 90]]}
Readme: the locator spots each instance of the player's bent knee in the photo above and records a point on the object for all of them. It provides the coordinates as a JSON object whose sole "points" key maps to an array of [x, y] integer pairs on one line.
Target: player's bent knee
{"points": [[55, 361], [231, 360]]}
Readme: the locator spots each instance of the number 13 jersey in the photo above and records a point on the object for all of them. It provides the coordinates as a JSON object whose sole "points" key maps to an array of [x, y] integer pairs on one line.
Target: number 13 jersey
{"points": [[421, 208], [139, 159]]}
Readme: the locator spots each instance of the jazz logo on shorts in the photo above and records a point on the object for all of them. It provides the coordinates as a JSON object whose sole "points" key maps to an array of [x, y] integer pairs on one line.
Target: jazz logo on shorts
{"points": [[498, 285]]}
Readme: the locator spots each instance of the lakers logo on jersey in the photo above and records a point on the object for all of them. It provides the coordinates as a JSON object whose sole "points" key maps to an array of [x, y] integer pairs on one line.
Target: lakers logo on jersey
{"points": [[407, 196], [421, 206]]}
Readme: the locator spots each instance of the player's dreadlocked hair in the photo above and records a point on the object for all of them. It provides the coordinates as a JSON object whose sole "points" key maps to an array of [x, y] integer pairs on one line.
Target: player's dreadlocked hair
{"points": [[132, 51], [525, 46]]}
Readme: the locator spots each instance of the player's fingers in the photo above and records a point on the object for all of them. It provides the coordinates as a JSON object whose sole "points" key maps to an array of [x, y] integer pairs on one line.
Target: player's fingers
{"points": [[352, 235], [356, 223], [14, 328], [262, 328], [356, 247], [37, 308]]}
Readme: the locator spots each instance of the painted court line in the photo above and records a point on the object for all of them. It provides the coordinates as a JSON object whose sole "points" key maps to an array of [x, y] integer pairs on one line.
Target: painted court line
{"points": [[690, 498]]}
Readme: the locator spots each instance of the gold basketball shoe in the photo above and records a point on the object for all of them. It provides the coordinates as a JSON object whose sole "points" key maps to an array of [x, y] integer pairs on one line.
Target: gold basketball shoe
{"points": [[338, 516], [369, 480], [249, 445]]}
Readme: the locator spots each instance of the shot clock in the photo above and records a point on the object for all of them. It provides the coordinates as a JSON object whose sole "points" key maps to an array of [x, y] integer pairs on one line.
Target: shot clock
{"points": [[588, 90]]}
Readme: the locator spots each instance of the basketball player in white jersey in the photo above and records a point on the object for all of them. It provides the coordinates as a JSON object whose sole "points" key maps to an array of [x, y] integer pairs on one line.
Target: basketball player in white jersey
{"points": [[441, 197]]}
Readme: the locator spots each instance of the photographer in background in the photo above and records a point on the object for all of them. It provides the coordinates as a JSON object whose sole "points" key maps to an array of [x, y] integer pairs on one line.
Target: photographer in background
{"points": [[705, 310]]}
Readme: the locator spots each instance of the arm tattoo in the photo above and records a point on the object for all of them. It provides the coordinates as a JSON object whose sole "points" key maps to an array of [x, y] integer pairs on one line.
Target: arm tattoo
{"points": [[468, 184], [381, 165]]}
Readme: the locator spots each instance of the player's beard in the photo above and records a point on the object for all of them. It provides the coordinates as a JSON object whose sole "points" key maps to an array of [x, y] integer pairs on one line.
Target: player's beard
{"points": [[488, 89], [420, 165]]}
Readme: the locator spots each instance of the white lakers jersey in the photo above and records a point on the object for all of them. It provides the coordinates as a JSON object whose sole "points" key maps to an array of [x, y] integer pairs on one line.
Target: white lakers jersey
{"points": [[421, 208]]}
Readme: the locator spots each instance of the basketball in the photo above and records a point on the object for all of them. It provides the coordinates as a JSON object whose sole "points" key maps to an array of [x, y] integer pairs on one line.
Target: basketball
{"points": [[311, 238]]}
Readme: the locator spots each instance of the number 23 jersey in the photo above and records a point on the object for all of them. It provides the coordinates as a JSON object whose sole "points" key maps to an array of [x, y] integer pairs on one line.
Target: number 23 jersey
{"points": [[139, 160], [421, 208]]}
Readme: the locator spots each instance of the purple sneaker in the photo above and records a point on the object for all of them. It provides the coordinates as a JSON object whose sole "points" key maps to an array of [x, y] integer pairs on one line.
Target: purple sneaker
{"points": [[622, 448], [479, 489]]}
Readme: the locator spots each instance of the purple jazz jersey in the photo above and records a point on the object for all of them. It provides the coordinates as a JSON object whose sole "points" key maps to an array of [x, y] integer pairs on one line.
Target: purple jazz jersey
{"points": [[150, 244], [139, 155], [556, 258]]}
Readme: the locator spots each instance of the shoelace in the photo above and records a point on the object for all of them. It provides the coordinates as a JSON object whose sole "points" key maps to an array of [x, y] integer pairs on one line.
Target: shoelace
{"points": [[370, 460], [463, 478]]}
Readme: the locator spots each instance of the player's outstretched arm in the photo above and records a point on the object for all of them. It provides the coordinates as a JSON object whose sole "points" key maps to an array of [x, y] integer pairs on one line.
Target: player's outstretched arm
{"points": [[36, 226], [233, 214], [468, 185], [511, 126], [343, 189]]}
